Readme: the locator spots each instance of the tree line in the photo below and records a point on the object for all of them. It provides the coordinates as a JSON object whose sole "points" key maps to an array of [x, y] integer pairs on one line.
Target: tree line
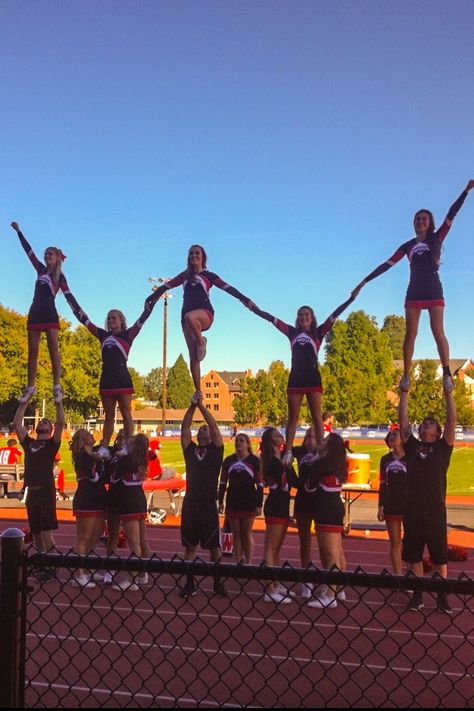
{"points": [[359, 376]]}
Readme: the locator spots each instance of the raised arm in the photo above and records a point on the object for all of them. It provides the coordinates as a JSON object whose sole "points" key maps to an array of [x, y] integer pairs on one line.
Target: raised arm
{"points": [[450, 423], [405, 429], [280, 325], [78, 312], [186, 437], [151, 300], [70, 298], [215, 435], [136, 328], [453, 211], [327, 325], [60, 422], [18, 425], [381, 269], [221, 284], [27, 247]]}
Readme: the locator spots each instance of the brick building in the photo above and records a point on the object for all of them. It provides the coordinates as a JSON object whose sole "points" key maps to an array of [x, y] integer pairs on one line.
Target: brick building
{"points": [[219, 389]]}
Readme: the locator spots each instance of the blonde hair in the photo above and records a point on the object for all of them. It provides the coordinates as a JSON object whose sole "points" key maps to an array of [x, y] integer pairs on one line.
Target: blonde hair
{"points": [[78, 441], [121, 316], [56, 273]]}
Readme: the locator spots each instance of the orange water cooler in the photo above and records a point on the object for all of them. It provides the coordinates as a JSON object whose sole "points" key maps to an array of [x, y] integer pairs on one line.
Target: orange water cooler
{"points": [[359, 468]]}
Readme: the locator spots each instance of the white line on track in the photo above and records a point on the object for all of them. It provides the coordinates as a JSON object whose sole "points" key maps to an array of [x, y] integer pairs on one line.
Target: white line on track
{"points": [[214, 618], [258, 658], [139, 696]]}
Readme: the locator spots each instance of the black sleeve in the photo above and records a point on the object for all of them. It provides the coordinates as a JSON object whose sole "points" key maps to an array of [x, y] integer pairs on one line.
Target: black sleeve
{"points": [[456, 206], [223, 480], [383, 481], [292, 477], [264, 314]]}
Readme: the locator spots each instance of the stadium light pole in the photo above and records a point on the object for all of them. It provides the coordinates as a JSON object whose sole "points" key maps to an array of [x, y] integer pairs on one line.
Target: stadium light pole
{"points": [[165, 297]]}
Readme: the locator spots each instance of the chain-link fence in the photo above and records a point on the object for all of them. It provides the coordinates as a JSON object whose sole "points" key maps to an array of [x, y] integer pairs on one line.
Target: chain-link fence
{"points": [[137, 642]]}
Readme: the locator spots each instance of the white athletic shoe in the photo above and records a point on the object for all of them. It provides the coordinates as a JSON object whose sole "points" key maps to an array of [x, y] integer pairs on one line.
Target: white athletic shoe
{"points": [[287, 459], [27, 394], [125, 585], [283, 590], [201, 350], [142, 579], [404, 383], [323, 601], [306, 590], [448, 384], [277, 598], [341, 595], [103, 452], [103, 577], [57, 393], [82, 581]]}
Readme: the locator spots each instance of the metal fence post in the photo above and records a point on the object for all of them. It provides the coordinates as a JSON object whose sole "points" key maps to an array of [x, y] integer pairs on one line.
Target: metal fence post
{"points": [[10, 618]]}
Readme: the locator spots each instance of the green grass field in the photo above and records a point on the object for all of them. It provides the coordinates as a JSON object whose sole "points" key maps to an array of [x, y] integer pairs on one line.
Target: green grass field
{"points": [[460, 474]]}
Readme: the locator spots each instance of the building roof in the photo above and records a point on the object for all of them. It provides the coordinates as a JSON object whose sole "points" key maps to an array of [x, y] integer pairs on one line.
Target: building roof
{"points": [[455, 364], [230, 376]]}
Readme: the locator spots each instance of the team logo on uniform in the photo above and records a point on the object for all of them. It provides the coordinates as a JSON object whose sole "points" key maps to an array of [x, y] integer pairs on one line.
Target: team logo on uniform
{"points": [[303, 340], [425, 450], [47, 281], [200, 453], [418, 250], [37, 447]]}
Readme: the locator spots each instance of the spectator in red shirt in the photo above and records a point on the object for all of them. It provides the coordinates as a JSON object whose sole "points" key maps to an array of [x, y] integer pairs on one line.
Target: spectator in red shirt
{"points": [[10, 454]]}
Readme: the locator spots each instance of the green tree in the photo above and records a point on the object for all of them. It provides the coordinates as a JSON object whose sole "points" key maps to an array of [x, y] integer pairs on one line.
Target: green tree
{"points": [[394, 328], [462, 400], [180, 386], [426, 394], [359, 371], [246, 403], [137, 381], [276, 407], [263, 398], [13, 361], [81, 365], [153, 385], [427, 400]]}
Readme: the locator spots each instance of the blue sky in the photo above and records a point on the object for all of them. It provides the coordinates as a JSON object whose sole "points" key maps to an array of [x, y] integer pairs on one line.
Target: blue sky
{"points": [[294, 140]]}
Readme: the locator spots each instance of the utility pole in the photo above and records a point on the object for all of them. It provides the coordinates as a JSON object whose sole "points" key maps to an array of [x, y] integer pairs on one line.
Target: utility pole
{"points": [[165, 298]]}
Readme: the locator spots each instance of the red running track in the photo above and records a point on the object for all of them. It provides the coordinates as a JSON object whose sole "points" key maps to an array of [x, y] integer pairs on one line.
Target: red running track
{"points": [[150, 648]]}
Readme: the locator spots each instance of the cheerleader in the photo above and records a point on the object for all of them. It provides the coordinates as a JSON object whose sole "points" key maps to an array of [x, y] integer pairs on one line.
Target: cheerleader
{"points": [[277, 506], [303, 511], [324, 483], [393, 495], [197, 313], [305, 379], [89, 500], [115, 381], [43, 316], [129, 502], [425, 290], [242, 479]]}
